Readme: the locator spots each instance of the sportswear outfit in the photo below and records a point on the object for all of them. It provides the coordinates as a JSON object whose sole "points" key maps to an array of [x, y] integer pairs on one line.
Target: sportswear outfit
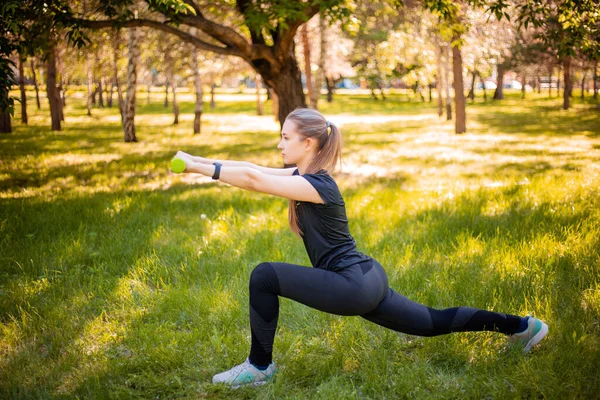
{"points": [[344, 281]]}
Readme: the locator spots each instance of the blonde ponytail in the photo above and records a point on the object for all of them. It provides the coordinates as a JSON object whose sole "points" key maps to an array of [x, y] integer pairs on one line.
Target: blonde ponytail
{"points": [[312, 124]]}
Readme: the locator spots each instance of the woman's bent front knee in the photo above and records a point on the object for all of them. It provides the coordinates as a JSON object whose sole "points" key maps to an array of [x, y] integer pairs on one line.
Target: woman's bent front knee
{"points": [[264, 278]]}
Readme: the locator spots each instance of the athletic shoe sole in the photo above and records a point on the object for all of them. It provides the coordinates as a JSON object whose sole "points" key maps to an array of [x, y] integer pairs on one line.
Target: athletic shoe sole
{"points": [[250, 384]]}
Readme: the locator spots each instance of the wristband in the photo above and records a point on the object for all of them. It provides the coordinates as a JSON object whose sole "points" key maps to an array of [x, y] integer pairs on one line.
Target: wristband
{"points": [[217, 170]]}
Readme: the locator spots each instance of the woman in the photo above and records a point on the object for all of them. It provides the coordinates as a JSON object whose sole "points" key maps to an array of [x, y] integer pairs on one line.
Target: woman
{"points": [[342, 281]]}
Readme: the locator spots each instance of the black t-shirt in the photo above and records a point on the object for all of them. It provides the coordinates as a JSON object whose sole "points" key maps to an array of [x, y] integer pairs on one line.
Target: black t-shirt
{"points": [[325, 227]]}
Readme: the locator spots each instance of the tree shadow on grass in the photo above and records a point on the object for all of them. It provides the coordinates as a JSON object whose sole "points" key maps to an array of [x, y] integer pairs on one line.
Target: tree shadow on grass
{"points": [[121, 172], [85, 250], [532, 169], [540, 120], [444, 229]]}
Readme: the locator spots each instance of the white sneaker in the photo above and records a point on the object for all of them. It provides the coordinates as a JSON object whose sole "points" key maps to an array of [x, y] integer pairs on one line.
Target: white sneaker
{"points": [[535, 332], [246, 374]]}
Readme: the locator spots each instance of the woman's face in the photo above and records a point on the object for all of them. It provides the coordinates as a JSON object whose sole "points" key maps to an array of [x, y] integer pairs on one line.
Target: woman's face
{"points": [[293, 145]]}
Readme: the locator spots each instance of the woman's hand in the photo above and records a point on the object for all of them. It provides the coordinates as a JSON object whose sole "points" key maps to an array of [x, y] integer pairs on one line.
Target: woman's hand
{"points": [[184, 156]]}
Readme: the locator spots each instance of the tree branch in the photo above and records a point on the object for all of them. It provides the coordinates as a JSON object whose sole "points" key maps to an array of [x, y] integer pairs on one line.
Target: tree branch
{"points": [[286, 37], [98, 24], [193, 4], [222, 33], [256, 37]]}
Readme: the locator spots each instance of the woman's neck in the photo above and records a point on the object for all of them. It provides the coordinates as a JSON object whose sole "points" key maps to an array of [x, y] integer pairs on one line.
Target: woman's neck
{"points": [[303, 164]]}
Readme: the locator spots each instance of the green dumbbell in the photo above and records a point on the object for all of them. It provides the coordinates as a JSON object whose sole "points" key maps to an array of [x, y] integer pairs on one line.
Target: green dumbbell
{"points": [[177, 165]]}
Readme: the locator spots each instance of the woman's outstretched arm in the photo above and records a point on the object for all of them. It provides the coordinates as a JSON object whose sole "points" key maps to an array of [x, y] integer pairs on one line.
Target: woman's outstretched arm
{"points": [[289, 187], [232, 163]]}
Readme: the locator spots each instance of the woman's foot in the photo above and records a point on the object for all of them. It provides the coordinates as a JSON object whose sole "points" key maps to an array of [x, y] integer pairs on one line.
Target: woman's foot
{"points": [[535, 332], [246, 374]]}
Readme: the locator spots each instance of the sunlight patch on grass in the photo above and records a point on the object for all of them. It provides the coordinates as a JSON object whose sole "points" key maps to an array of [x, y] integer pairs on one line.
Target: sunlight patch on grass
{"points": [[440, 160], [590, 299], [221, 302], [102, 332], [505, 261], [75, 159], [366, 121]]}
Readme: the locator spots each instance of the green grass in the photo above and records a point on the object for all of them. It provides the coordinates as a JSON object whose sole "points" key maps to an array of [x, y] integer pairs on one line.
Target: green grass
{"points": [[121, 280]]}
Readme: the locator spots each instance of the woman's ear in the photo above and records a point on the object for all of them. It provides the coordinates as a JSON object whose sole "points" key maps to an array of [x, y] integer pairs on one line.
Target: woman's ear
{"points": [[308, 145]]}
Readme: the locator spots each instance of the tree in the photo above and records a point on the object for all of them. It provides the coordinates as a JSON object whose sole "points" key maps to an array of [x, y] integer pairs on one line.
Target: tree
{"points": [[570, 26], [264, 39], [51, 89], [199, 105], [337, 60], [413, 49], [459, 93], [487, 45], [130, 103], [373, 58], [35, 82], [307, 62], [22, 60], [319, 74], [30, 25], [312, 39]]}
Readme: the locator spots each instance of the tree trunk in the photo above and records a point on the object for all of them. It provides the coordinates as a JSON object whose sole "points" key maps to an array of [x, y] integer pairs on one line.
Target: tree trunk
{"points": [[61, 103], [199, 107], [558, 80], [166, 104], [90, 84], [583, 85], [378, 83], [117, 82], [63, 92], [471, 94], [259, 104], [35, 84], [148, 94], [288, 87], [307, 69], [109, 97], [596, 80], [22, 88], [275, 104], [316, 93], [483, 87], [499, 93], [430, 89], [330, 86], [459, 94], [51, 90], [129, 114], [439, 79], [175, 104], [5, 115], [568, 83], [59, 80], [447, 85], [101, 92], [523, 83], [550, 72], [212, 95], [372, 87], [5, 124]]}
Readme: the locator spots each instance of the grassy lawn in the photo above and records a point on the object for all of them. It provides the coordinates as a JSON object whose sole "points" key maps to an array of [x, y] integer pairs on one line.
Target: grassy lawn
{"points": [[119, 279]]}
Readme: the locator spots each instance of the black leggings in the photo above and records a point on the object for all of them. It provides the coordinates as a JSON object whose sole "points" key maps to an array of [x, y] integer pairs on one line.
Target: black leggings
{"points": [[361, 289]]}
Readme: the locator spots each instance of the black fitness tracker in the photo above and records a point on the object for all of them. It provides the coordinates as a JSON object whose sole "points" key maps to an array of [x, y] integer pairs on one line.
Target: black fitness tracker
{"points": [[217, 170]]}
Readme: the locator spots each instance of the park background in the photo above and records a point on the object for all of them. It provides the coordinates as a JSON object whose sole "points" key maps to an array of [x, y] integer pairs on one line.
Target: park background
{"points": [[471, 173]]}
